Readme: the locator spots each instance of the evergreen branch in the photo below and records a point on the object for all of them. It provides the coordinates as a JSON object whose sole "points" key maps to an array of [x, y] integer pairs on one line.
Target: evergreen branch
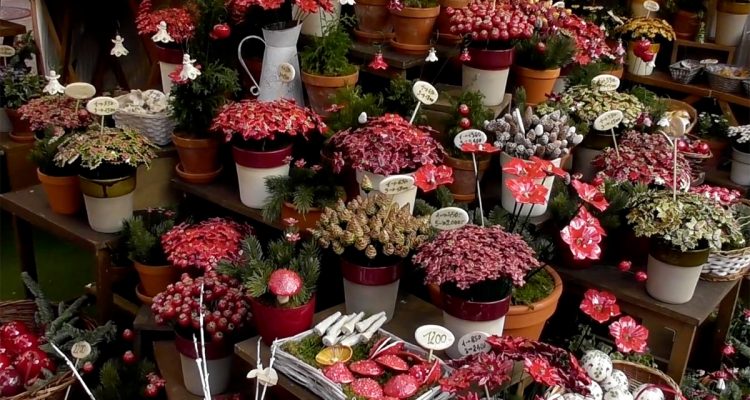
{"points": [[304, 197], [43, 306]]}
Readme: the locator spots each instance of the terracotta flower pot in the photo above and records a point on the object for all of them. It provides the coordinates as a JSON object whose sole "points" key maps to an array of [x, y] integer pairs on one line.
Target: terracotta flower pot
{"points": [[673, 274], [616, 72], [720, 150], [63, 192], [320, 89], [686, 24], [279, 322], [373, 21], [197, 155], [464, 186], [412, 28], [306, 221], [528, 321], [218, 362], [538, 83], [21, 131], [444, 21], [370, 289], [253, 167], [155, 278]]}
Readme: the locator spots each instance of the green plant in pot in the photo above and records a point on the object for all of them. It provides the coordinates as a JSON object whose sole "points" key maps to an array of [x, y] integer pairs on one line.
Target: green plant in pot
{"points": [[683, 228], [413, 23], [740, 137], [686, 17], [142, 236], [539, 60], [108, 160], [713, 129], [60, 184], [194, 105], [18, 88], [325, 67], [348, 104]]}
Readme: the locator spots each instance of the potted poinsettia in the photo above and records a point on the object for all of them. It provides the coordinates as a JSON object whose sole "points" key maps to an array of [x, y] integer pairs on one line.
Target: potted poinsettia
{"points": [[211, 311], [281, 282], [200, 247], [371, 263], [476, 268], [108, 159], [262, 146]]}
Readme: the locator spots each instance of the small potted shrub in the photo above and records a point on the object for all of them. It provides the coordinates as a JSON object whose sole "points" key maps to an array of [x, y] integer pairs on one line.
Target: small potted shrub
{"points": [[59, 112], [19, 87], [687, 16], [713, 129], [740, 137], [539, 60], [142, 235], [325, 67], [198, 248], [642, 34], [280, 282], [348, 104], [413, 23], [302, 195], [263, 133], [226, 317], [476, 268], [682, 228], [371, 263], [108, 160], [60, 184]]}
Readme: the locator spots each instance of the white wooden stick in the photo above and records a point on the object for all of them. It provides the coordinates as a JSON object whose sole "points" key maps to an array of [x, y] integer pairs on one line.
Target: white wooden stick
{"points": [[348, 327], [75, 371], [335, 329], [363, 325], [67, 392], [323, 325], [367, 335], [351, 340]]}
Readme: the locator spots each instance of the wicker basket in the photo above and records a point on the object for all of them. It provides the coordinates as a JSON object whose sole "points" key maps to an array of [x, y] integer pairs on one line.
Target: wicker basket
{"points": [[24, 310], [723, 83], [685, 71], [746, 85], [156, 127], [639, 374]]}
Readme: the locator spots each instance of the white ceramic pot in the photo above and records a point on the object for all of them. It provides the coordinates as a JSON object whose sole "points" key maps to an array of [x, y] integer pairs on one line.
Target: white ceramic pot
{"points": [[582, 162], [253, 167], [729, 28], [108, 202], [5, 125], [462, 317], [166, 82], [637, 66], [218, 364], [402, 199], [740, 173], [315, 24], [506, 197], [673, 275], [488, 82], [370, 290]]}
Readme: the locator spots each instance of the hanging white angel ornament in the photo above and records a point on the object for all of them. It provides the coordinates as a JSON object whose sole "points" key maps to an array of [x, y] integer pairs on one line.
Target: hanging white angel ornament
{"points": [[119, 49], [53, 84], [432, 55], [161, 35], [189, 71], [347, 2]]}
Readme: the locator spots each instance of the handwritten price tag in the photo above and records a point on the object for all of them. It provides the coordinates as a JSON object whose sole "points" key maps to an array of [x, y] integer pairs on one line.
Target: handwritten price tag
{"points": [[81, 350], [651, 5], [709, 61], [7, 51], [434, 337], [608, 120], [606, 82], [80, 90], [425, 93], [473, 343], [286, 72], [102, 106], [396, 184], [469, 136], [449, 218]]}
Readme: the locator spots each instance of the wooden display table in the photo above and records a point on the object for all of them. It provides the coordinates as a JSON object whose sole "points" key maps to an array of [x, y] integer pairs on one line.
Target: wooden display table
{"points": [[170, 367], [398, 63], [681, 319], [692, 44]]}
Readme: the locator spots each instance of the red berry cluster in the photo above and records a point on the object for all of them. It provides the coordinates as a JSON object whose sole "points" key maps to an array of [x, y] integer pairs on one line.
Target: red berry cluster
{"points": [[724, 196], [498, 21], [626, 265], [21, 360], [225, 305], [155, 384], [694, 146]]}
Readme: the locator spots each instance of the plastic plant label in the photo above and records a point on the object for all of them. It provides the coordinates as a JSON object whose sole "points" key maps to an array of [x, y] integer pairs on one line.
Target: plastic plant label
{"points": [[425, 93], [81, 350], [80, 90], [606, 82], [608, 120], [469, 136], [473, 343], [7, 51], [286, 72], [102, 106], [396, 184], [559, 4], [651, 5], [434, 337], [449, 218], [709, 61]]}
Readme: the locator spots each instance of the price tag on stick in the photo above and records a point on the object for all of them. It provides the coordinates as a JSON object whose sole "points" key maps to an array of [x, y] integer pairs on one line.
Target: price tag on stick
{"points": [[449, 218], [469, 136], [5, 52], [608, 121], [606, 82], [80, 91], [650, 6], [81, 350], [396, 184], [425, 93], [434, 338], [472, 343], [102, 106]]}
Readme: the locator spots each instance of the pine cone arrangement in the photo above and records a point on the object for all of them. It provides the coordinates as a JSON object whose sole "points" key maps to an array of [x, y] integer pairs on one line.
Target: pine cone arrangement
{"points": [[548, 137]]}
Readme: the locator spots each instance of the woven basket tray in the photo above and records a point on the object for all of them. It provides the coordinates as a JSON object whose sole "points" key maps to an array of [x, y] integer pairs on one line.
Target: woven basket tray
{"points": [[723, 83], [685, 71], [313, 378], [726, 265], [24, 310], [746, 85], [639, 374], [156, 127]]}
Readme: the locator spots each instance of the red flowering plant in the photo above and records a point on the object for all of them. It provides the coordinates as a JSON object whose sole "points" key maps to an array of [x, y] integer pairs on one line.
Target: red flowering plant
{"points": [[499, 24], [61, 112], [224, 304], [203, 245], [238, 9], [526, 185], [386, 145], [180, 21], [590, 39]]}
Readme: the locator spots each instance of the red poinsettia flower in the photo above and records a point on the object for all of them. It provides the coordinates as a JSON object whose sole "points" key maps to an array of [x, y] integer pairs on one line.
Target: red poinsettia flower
{"points": [[583, 239], [541, 371], [484, 148], [590, 194], [629, 335], [601, 306], [641, 46], [429, 177], [591, 220], [548, 167], [526, 191], [378, 62], [521, 168]]}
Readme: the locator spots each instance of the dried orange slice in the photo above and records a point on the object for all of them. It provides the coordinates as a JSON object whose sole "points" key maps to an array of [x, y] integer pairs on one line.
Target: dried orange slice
{"points": [[332, 355]]}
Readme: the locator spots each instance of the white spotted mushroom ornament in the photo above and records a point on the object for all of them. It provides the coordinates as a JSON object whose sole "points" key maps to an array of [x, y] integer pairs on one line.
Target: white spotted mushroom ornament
{"points": [[284, 283], [595, 391], [648, 392], [618, 394], [617, 379], [597, 365]]}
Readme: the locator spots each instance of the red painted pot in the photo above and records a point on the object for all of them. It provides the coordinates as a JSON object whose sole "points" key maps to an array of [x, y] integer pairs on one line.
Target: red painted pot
{"points": [[371, 289], [278, 322], [214, 351], [473, 310], [168, 54], [492, 60], [253, 167]]}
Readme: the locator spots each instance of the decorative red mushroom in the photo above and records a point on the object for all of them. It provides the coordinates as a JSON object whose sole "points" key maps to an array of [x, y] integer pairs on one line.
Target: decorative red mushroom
{"points": [[284, 283]]}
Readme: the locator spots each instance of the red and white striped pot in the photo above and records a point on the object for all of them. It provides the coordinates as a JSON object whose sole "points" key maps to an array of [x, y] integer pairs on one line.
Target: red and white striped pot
{"points": [[371, 289], [253, 167]]}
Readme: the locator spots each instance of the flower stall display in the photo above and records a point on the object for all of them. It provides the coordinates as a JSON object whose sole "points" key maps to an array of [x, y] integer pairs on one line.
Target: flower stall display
{"points": [[642, 34], [200, 247], [211, 311], [413, 23], [386, 146], [476, 268], [538, 61], [263, 148], [108, 158], [373, 236], [281, 282], [740, 137], [18, 88], [683, 228]]}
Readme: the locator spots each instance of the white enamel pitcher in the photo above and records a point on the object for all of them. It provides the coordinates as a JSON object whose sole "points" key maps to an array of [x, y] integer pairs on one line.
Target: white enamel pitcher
{"points": [[281, 48]]}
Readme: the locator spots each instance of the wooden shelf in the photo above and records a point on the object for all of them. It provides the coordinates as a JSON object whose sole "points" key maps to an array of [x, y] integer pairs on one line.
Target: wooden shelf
{"points": [[664, 80], [365, 51], [706, 46]]}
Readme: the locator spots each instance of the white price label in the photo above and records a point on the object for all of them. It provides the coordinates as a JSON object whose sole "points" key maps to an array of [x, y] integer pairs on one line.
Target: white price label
{"points": [[559, 4], [469, 136], [425, 93], [81, 350], [606, 82], [396, 184], [286, 72], [434, 337], [7, 51], [651, 5], [709, 61], [449, 218], [102, 106], [80, 90], [473, 343], [608, 120]]}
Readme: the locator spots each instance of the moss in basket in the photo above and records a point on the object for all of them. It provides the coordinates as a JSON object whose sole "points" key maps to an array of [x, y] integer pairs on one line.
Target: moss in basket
{"points": [[420, 3], [326, 55], [307, 348]]}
